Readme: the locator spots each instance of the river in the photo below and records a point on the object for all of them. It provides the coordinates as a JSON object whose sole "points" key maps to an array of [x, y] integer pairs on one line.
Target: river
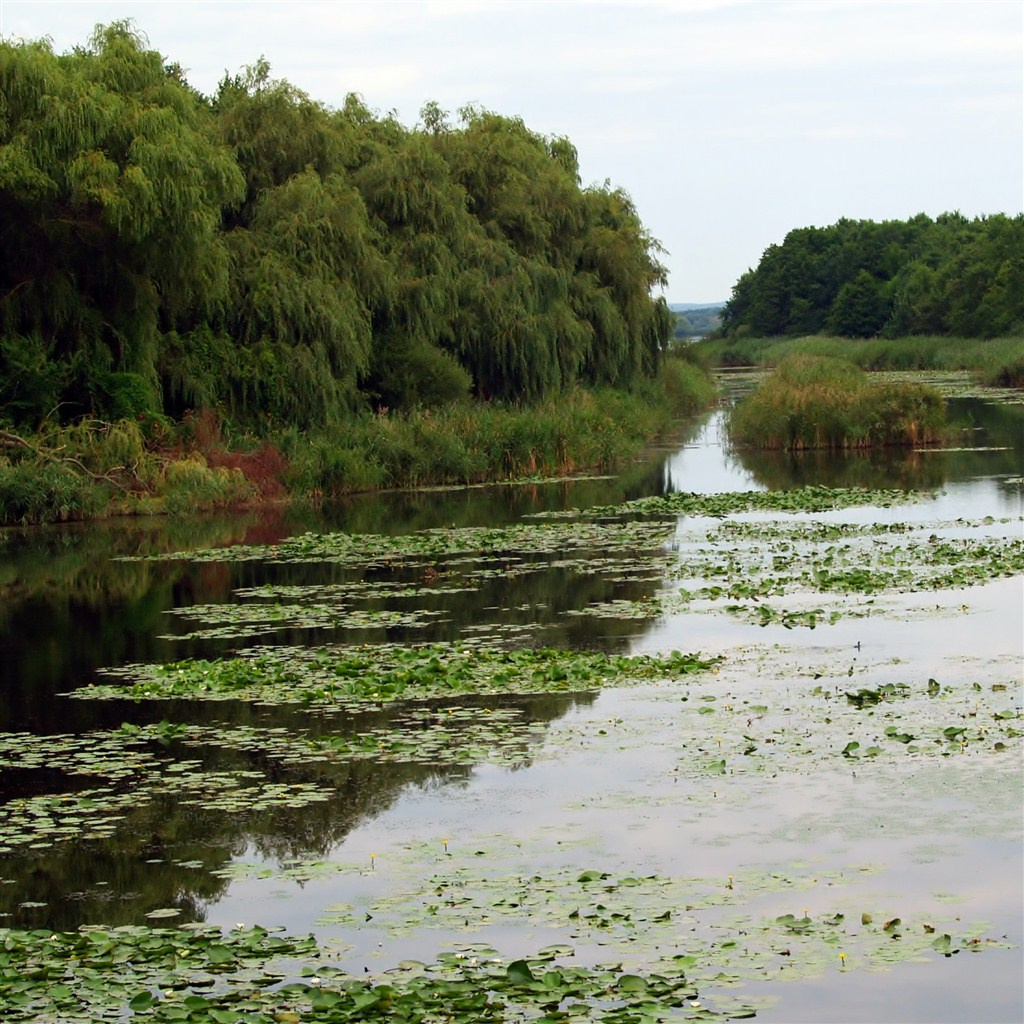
{"points": [[854, 759]]}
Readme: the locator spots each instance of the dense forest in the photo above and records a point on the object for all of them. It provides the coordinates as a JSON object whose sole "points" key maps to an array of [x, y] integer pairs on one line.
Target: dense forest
{"points": [[948, 276], [263, 255]]}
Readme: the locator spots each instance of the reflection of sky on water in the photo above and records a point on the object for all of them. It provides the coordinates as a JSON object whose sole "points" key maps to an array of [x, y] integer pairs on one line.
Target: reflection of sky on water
{"points": [[926, 634], [891, 841], [703, 465], [988, 456]]}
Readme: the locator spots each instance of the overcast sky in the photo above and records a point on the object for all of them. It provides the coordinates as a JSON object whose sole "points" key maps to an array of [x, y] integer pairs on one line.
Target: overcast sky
{"points": [[729, 123]]}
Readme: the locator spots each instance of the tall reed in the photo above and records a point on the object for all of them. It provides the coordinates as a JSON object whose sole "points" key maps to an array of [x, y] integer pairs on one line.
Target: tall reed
{"points": [[94, 469], [821, 402]]}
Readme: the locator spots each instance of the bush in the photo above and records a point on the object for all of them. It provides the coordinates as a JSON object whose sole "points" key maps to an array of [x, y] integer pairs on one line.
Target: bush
{"points": [[31, 379], [124, 396]]}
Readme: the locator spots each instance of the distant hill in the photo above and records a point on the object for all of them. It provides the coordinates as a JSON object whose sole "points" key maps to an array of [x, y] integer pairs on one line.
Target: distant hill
{"points": [[696, 319]]}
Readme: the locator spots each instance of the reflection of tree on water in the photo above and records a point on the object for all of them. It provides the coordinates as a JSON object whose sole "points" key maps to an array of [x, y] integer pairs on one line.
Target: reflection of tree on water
{"points": [[69, 606], [873, 469], [165, 851], [985, 441], [73, 608], [119, 880]]}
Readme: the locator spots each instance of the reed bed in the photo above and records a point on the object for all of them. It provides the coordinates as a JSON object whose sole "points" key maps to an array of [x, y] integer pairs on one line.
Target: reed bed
{"points": [[822, 402], [996, 361]]}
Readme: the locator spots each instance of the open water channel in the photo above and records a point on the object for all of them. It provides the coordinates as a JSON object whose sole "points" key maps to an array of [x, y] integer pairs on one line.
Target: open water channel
{"points": [[825, 819]]}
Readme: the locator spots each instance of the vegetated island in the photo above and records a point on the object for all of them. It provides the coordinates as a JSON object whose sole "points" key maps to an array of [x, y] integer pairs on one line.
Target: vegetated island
{"points": [[209, 300]]}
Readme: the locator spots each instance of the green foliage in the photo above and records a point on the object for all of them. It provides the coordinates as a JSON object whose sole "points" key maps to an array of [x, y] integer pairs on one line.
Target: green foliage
{"points": [[286, 268], [146, 465], [31, 379], [987, 356], [188, 484], [686, 383], [89, 469], [281, 263], [351, 677], [817, 402], [45, 493], [1008, 374], [119, 396], [473, 442], [860, 309], [948, 276], [111, 190]]}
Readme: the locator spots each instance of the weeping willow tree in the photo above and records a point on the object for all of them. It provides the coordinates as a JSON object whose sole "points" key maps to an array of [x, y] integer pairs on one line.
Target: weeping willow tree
{"points": [[617, 268], [420, 216], [282, 262], [305, 266], [111, 192], [559, 289]]}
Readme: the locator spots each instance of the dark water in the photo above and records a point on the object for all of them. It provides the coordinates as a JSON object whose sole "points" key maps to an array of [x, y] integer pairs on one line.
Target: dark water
{"points": [[71, 606]]}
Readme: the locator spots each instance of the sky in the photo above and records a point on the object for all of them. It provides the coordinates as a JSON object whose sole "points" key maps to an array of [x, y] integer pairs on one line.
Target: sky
{"points": [[728, 122]]}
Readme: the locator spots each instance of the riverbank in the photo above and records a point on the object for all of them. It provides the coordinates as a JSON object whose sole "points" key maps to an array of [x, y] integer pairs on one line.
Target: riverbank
{"points": [[133, 467]]}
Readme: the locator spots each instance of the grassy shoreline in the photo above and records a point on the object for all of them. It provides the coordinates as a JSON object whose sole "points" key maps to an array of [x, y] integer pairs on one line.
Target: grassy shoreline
{"points": [[94, 470], [998, 361]]}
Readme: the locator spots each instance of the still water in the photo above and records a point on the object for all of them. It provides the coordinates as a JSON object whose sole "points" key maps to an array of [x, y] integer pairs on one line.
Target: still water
{"points": [[615, 780]]}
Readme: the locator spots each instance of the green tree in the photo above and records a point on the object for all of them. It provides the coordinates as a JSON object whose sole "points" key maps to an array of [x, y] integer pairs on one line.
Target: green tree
{"points": [[111, 191], [305, 265], [861, 308]]}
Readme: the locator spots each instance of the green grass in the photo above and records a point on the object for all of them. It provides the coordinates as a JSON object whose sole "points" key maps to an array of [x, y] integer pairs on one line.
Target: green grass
{"points": [[996, 361], [822, 402], [474, 442], [93, 469]]}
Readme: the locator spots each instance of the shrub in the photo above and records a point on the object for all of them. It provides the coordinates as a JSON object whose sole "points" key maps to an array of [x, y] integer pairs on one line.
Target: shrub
{"points": [[123, 396], [31, 379]]}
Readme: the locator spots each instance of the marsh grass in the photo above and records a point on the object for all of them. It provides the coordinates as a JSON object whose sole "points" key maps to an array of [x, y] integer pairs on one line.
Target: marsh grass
{"points": [[91, 469], [997, 361], [475, 442], [822, 402]]}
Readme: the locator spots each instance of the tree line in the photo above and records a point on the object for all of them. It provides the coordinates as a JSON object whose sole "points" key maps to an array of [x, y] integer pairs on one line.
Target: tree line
{"points": [[261, 254], [950, 276]]}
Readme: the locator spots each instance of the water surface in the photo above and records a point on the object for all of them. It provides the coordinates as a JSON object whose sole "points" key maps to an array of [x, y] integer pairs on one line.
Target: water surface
{"points": [[616, 780]]}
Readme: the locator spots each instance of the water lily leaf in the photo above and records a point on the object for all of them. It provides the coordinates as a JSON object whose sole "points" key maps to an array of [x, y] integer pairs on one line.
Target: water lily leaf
{"points": [[631, 983], [142, 1001], [518, 973]]}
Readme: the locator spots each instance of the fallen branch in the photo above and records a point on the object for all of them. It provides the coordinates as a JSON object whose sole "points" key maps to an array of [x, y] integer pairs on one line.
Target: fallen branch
{"points": [[12, 440]]}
